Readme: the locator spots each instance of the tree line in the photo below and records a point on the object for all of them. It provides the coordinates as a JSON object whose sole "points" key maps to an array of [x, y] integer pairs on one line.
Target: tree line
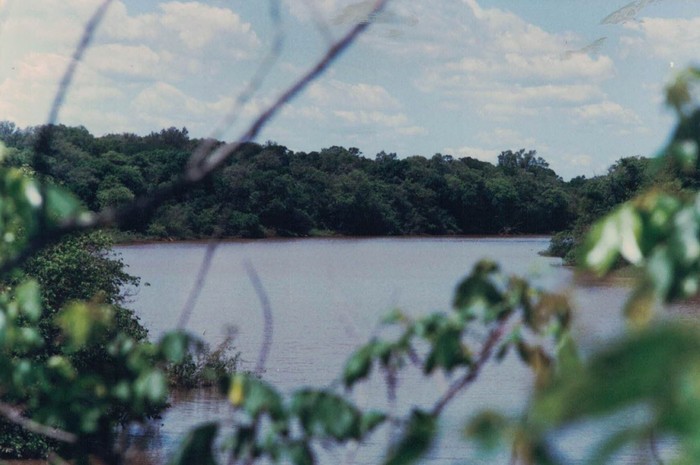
{"points": [[269, 190]]}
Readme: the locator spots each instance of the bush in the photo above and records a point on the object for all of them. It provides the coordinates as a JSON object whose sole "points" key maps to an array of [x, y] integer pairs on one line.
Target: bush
{"points": [[202, 366]]}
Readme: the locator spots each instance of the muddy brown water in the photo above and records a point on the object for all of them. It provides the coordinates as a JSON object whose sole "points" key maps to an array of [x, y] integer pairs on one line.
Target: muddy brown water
{"points": [[327, 297]]}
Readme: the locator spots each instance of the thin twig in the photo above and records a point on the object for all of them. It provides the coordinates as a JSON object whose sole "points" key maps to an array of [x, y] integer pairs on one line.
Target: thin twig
{"points": [[267, 316], [196, 290], [654, 448], [221, 154], [191, 177], [88, 34], [45, 134], [263, 70], [15, 416], [494, 336]]}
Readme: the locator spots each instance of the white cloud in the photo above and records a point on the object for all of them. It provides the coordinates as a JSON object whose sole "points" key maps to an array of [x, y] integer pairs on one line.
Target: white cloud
{"points": [[354, 108], [493, 60], [138, 61], [378, 121], [163, 105], [578, 159], [608, 112], [307, 9], [489, 155], [335, 93], [198, 25], [372, 117], [412, 131], [32, 80], [345, 13], [506, 137], [514, 66], [672, 39], [133, 55], [543, 94]]}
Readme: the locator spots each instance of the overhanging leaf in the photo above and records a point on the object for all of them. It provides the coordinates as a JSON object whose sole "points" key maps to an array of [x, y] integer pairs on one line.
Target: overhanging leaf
{"points": [[418, 436], [198, 447]]}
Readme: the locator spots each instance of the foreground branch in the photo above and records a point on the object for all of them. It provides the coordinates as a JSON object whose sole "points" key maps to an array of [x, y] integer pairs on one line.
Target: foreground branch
{"points": [[15, 416], [267, 316], [196, 172], [198, 285], [492, 340]]}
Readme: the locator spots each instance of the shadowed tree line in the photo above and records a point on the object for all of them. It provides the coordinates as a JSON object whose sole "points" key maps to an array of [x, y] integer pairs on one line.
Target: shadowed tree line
{"points": [[269, 190]]}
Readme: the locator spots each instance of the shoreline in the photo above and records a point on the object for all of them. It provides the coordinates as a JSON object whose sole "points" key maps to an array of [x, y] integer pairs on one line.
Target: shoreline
{"points": [[240, 240]]}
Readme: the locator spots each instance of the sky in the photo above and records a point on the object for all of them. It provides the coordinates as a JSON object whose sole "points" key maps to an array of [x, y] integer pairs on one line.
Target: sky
{"points": [[582, 83]]}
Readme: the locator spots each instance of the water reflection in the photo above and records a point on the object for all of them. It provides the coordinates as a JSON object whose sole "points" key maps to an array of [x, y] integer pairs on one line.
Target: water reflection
{"points": [[150, 444]]}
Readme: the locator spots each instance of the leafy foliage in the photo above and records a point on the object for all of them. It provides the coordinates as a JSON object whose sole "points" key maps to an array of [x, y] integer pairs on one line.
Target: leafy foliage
{"points": [[54, 327], [270, 190], [196, 364], [654, 368]]}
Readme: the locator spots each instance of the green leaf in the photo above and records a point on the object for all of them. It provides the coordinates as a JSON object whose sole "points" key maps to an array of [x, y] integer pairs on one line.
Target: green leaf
{"points": [[447, 351], [370, 421], [618, 234], [612, 444], [649, 366], [629, 227], [324, 414], [487, 429], [152, 386], [61, 204], [568, 359], [197, 447], [300, 453], [358, 365], [601, 251], [478, 288], [418, 436], [639, 308], [261, 397], [81, 321], [685, 152], [255, 396], [174, 346], [29, 299], [395, 316]]}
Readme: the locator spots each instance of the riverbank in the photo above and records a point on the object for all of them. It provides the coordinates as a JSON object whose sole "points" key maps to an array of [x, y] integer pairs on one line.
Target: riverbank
{"points": [[123, 239]]}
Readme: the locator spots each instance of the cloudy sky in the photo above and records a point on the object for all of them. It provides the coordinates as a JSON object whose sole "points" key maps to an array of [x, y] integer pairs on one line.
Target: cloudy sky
{"points": [[580, 82]]}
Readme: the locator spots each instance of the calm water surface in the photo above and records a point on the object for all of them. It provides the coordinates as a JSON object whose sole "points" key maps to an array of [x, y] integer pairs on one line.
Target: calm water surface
{"points": [[327, 296]]}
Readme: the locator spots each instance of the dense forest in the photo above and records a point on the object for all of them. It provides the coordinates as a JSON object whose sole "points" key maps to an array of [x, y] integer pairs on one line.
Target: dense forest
{"points": [[268, 190]]}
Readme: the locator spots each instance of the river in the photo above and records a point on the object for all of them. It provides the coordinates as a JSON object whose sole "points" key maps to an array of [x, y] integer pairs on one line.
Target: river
{"points": [[327, 297]]}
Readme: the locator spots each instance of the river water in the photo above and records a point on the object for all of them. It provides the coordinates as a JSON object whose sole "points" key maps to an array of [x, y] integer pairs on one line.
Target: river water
{"points": [[327, 297]]}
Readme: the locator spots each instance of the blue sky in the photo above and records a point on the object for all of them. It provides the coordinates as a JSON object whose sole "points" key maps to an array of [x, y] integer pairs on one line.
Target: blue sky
{"points": [[459, 77]]}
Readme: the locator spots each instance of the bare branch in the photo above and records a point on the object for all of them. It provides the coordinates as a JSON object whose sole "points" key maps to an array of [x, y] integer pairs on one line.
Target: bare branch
{"points": [[195, 173], [196, 290], [267, 316], [88, 34], [45, 134], [218, 156], [15, 416], [654, 448], [247, 93], [494, 336]]}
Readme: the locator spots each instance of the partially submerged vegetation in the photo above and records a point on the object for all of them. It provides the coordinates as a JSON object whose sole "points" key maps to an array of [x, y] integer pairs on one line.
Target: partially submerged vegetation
{"points": [[204, 366]]}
